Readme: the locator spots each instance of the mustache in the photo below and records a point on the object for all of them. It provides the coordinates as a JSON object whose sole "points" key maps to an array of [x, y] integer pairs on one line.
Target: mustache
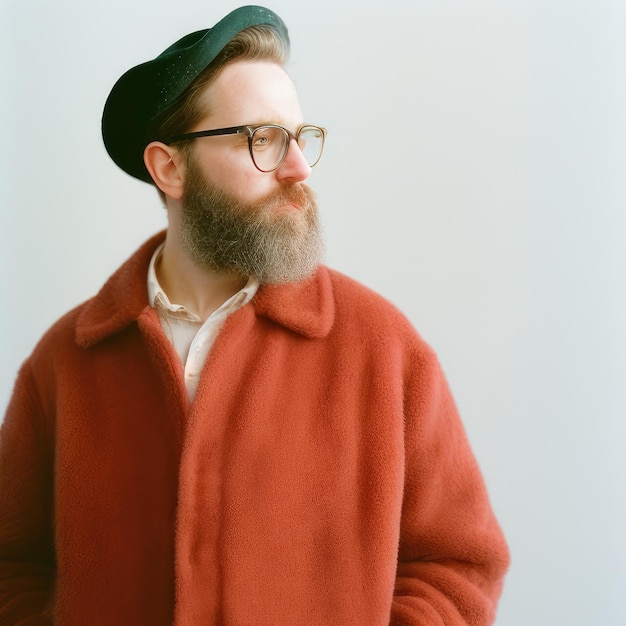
{"points": [[300, 195]]}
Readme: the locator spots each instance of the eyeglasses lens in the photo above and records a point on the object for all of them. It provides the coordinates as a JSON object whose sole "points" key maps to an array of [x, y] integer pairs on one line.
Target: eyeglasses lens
{"points": [[311, 142], [270, 144]]}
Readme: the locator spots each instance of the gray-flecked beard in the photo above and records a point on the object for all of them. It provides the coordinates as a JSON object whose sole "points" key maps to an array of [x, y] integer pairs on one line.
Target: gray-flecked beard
{"points": [[266, 239]]}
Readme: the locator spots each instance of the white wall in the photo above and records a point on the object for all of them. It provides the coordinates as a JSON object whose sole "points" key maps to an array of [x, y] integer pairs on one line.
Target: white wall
{"points": [[474, 175]]}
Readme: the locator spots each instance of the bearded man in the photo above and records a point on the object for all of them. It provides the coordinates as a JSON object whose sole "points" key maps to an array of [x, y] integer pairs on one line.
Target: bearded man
{"points": [[231, 432]]}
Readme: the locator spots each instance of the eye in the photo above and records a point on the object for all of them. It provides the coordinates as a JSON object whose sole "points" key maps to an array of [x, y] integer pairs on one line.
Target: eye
{"points": [[261, 139]]}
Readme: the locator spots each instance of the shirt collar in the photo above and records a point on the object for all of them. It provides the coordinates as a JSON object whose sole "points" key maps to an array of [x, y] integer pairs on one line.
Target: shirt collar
{"points": [[160, 301]]}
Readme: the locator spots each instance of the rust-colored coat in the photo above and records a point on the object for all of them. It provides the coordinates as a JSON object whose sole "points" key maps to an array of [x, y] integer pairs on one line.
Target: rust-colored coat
{"points": [[321, 476]]}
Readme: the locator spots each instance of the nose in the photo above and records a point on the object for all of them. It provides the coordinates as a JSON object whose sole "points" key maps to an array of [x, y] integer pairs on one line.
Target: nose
{"points": [[294, 168]]}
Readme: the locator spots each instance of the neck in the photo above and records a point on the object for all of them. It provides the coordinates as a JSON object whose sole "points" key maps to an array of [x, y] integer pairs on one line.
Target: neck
{"points": [[200, 290]]}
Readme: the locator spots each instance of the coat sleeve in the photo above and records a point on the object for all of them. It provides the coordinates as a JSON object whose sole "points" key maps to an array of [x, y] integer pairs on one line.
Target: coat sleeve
{"points": [[26, 543], [452, 553]]}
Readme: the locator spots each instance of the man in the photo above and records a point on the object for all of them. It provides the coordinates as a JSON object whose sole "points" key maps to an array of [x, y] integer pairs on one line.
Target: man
{"points": [[230, 432]]}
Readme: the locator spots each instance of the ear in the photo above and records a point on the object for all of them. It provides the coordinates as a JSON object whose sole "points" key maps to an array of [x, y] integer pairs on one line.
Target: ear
{"points": [[166, 166]]}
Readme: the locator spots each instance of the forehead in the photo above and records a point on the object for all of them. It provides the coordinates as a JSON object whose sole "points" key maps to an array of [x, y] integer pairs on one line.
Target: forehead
{"points": [[251, 92]]}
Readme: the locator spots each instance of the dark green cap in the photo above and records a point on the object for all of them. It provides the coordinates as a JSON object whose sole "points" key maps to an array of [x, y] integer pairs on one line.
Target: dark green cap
{"points": [[146, 90]]}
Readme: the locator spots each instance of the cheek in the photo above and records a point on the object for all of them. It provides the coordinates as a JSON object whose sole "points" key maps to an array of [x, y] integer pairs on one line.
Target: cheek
{"points": [[234, 172], [245, 183]]}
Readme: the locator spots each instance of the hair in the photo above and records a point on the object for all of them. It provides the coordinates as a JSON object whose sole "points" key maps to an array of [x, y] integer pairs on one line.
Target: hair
{"points": [[256, 43]]}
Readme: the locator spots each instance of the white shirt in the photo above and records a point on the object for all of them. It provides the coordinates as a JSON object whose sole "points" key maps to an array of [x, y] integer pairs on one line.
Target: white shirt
{"points": [[192, 338]]}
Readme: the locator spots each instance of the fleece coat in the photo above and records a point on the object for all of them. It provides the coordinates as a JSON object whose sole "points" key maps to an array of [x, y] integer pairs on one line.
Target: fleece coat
{"points": [[320, 477]]}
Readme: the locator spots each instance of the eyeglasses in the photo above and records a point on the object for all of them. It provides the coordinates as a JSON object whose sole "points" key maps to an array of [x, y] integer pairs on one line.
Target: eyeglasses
{"points": [[269, 143]]}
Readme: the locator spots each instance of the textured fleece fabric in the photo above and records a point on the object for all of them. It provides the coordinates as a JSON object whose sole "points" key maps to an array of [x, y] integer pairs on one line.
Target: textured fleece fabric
{"points": [[320, 477]]}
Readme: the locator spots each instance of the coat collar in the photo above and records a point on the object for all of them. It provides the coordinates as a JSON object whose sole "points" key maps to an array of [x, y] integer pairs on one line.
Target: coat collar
{"points": [[305, 307]]}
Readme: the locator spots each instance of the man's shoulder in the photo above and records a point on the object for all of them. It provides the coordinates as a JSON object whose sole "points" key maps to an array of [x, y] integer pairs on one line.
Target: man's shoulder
{"points": [[57, 343], [359, 306], [374, 326], [117, 303], [355, 298]]}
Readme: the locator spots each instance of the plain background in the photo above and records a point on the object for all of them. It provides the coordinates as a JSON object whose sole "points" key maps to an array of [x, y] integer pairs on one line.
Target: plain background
{"points": [[474, 175]]}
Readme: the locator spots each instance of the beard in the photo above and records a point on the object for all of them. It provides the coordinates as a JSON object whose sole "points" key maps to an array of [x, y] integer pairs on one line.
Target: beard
{"points": [[266, 239]]}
